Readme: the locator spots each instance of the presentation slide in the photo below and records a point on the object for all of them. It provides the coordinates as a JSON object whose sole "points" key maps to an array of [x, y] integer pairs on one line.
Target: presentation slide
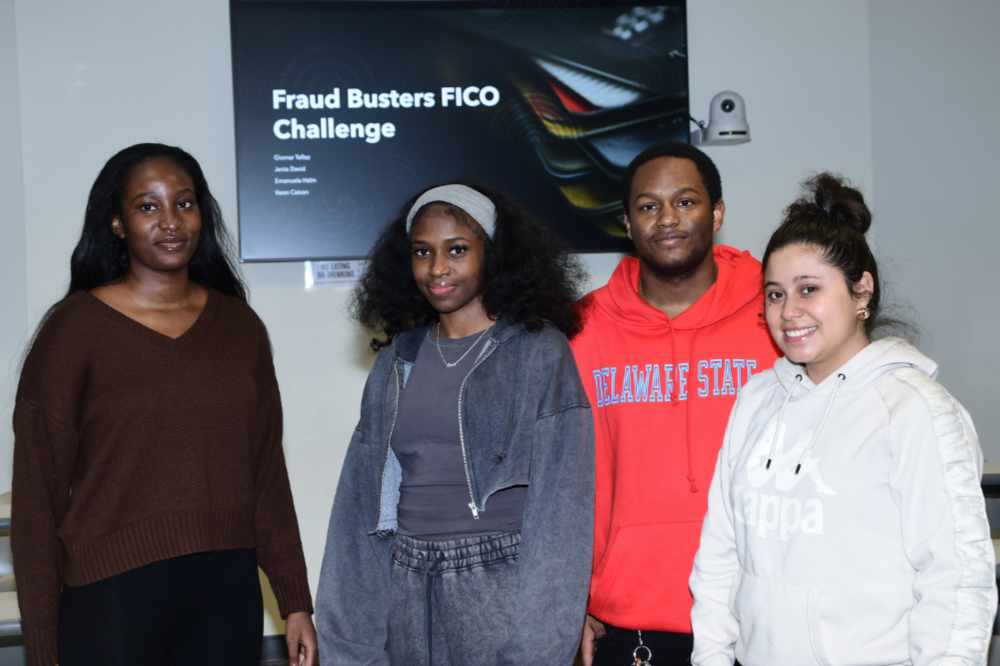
{"points": [[345, 110]]}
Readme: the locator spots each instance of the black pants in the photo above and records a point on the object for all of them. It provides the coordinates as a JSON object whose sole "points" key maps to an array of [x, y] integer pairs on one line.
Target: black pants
{"points": [[197, 609], [668, 649]]}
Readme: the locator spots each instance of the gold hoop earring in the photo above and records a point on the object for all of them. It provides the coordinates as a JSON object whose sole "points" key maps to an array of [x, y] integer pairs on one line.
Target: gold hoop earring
{"points": [[864, 313]]}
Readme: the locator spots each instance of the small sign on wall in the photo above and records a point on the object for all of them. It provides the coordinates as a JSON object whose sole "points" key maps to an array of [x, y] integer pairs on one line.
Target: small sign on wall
{"points": [[347, 271]]}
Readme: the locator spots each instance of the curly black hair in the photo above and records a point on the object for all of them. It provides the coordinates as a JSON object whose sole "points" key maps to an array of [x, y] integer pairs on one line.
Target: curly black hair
{"points": [[529, 277]]}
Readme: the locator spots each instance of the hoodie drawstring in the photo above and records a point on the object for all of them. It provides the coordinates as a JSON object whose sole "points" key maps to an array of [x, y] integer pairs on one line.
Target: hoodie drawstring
{"points": [[674, 394], [687, 424], [781, 419], [816, 433], [673, 358], [841, 377]]}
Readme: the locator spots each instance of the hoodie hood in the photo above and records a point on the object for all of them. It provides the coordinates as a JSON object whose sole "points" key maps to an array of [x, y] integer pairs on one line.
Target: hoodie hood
{"points": [[875, 360], [737, 282], [865, 367]]}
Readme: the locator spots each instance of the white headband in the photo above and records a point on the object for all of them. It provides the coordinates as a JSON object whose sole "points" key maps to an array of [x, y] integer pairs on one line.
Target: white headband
{"points": [[476, 204]]}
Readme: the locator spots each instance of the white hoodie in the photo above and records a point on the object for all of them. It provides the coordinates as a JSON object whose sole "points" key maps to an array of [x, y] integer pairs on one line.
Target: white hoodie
{"points": [[877, 552]]}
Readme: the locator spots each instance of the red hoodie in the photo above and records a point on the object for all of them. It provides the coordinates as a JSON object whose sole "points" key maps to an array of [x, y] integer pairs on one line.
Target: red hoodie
{"points": [[661, 390]]}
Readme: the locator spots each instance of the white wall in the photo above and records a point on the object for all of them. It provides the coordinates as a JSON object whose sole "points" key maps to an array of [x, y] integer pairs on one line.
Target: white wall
{"points": [[936, 133], [13, 332], [803, 69], [96, 76]]}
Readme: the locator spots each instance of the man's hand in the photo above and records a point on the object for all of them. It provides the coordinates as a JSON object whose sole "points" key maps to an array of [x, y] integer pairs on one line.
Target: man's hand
{"points": [[301, 638], [592, 630]]}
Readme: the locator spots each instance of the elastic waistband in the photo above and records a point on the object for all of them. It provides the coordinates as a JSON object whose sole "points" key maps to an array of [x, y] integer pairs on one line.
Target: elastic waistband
{"points": [[439, 556]]}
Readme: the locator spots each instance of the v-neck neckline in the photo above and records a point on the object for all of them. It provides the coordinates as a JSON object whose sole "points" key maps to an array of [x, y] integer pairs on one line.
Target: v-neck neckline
{"points": [[162, 338]]}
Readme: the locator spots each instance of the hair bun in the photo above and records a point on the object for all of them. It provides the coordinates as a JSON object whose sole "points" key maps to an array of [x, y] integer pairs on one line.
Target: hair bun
{"points": [[840, 203]]}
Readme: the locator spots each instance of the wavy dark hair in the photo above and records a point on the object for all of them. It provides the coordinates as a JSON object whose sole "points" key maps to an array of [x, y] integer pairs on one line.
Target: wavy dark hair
{"points": [[833, 217], [529, 278], [101, 257]]}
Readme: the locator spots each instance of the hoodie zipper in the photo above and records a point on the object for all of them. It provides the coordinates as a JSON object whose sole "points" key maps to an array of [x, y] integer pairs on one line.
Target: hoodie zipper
{"points": [[483, 355], [388, 441]]}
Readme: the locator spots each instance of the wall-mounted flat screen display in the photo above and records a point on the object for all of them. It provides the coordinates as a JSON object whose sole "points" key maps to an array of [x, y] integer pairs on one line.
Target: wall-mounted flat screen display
{"points": [[345, 110]]}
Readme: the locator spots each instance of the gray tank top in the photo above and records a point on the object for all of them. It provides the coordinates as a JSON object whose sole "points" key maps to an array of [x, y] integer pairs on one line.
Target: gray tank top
{"points": [[434, 495]]}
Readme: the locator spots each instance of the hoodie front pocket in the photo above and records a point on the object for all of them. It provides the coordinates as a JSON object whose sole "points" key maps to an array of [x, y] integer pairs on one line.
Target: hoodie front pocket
{"points": [[773, 622], [863, 623], [644, 573]]}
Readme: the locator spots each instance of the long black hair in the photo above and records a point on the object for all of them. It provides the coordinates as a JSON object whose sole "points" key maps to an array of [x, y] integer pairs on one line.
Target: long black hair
{"points": [[101, 257], [528, 277]]}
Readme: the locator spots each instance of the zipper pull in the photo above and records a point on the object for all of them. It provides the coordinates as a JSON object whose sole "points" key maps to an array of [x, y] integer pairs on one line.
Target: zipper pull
{"points": [[475, 511]]}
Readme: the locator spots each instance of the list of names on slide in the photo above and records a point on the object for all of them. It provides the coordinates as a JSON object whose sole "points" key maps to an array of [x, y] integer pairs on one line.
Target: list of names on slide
{"points": [[291, 175]]}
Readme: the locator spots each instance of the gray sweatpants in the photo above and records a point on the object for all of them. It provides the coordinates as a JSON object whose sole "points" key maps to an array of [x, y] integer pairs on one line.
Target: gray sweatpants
{"points": [[450, 601]]}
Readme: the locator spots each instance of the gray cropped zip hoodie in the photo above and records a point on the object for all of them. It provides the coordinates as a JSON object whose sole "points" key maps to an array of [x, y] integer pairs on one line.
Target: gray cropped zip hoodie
{"points": [[524, 420]]}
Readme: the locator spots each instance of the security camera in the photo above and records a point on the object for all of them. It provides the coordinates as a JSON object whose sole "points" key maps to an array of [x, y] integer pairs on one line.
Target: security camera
{"points": [[727, 121]]}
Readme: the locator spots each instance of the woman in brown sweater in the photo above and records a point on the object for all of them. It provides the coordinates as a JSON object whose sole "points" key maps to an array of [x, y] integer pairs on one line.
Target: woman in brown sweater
{"points": [[149, 478]]}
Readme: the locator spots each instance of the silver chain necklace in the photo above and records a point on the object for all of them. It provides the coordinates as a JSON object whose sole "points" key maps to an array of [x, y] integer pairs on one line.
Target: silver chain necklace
{"points": [[452, 364]]}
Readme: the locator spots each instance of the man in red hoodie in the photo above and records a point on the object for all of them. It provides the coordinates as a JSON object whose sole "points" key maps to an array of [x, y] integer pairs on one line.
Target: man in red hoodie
{"points": [[665, 348]]}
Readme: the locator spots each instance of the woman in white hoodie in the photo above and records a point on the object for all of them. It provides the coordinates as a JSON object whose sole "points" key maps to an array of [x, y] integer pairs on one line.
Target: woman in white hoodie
{"points": [[846, 524]]}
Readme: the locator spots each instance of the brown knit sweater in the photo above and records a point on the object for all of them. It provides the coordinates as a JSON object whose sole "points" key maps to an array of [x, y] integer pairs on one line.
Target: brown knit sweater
{"points": [[132, 447]]}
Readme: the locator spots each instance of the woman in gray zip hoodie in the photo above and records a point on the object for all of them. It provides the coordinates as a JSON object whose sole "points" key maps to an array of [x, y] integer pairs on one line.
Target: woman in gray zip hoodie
{"points": [[462, 524]]}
